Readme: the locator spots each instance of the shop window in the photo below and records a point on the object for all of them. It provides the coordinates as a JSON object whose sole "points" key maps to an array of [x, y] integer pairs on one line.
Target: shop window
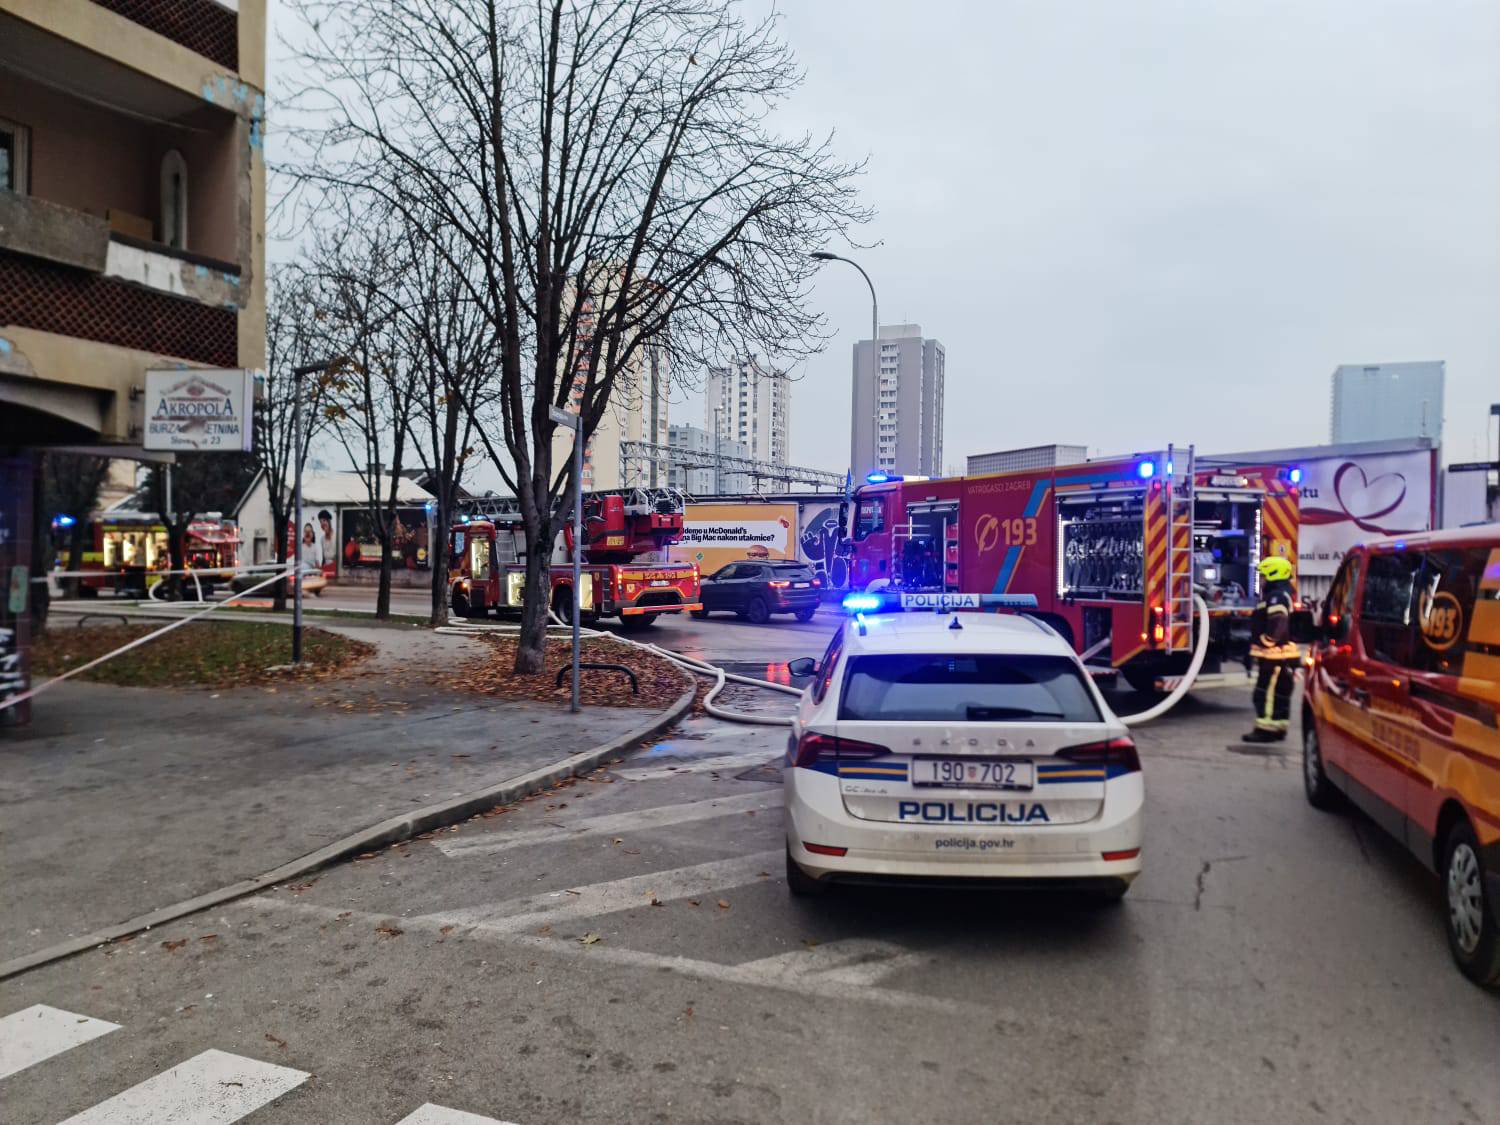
{"points": [[174, 200]]}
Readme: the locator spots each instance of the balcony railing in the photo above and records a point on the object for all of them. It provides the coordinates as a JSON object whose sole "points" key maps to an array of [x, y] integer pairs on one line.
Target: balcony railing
{"points": [[199, 25]]}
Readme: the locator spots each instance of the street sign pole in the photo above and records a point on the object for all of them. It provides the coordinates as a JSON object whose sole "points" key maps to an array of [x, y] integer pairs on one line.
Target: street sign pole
{"points": [[574, 423]]}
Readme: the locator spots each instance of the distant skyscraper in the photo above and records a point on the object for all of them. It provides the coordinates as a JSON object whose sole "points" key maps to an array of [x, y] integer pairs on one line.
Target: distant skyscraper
{"points": [[1386, 401], [753, 407], [706, 481], [898, 403]]}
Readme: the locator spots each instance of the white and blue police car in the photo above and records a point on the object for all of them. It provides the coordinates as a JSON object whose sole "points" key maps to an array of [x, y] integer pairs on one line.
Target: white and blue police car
{"points": [[958, 747]]}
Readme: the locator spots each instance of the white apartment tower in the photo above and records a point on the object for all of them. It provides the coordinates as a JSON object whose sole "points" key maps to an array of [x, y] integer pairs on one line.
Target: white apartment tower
{"points": [[750, 404], [898, 403]]}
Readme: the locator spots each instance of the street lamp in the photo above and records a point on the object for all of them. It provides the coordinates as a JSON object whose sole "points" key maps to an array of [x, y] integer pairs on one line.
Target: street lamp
{"points": [[826, 256], [297, 374]]}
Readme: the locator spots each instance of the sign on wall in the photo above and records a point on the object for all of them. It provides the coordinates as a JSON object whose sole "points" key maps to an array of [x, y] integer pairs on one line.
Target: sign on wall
{"points": [[715, 535], [200, 411], [1349, 500]]}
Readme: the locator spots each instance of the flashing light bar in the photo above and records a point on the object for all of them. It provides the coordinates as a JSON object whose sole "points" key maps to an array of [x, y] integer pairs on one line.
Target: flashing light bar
{"points": [[940, 602], [881, 478], [1145, 469], [1294, 474]]}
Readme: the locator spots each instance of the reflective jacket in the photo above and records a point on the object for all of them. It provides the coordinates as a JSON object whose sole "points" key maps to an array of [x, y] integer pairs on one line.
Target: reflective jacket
{"points": [[1271, 626]]}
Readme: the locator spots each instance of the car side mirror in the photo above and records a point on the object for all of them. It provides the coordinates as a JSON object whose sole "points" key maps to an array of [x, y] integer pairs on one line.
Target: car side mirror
{"points": [[802, 666]]}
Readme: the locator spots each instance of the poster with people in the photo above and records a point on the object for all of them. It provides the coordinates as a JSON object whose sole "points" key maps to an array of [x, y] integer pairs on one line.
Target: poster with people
{"points": [[410, 541]]}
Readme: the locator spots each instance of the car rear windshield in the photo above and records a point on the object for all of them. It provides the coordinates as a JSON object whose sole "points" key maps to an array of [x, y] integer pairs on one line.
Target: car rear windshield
{"points": [[911, 687], [793, 570]]}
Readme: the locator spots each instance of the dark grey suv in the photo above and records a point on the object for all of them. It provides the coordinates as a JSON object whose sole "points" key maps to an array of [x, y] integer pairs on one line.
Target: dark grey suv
{"points": [[755, 590]]}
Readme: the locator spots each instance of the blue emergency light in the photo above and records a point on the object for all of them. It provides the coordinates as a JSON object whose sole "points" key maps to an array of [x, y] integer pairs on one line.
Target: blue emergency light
{"points": [[1294, 475], [1145, 470], [862, 603], [63, 521], [881, 478]]}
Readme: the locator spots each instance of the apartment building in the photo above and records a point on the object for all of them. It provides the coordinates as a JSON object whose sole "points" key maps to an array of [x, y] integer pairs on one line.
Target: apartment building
{"points": [[898, 403], [752, 405]]}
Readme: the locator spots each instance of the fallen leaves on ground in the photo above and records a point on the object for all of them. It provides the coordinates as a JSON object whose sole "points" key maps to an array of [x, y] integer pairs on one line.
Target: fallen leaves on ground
{"points": [[660, 682], [209, 653], [389, 931], [723, 905], [279, 1042], [589, 939], [174, 946]]}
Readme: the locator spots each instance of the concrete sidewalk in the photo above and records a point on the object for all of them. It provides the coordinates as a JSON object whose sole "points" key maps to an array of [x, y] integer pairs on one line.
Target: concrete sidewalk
{"points": [[117, 801]]}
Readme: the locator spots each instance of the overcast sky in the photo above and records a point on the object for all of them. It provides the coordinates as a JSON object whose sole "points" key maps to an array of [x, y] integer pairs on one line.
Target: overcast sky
{"points": [[1149, 222]]}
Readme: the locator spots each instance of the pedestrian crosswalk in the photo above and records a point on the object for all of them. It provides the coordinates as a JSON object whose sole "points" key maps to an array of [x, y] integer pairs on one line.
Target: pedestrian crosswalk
{"points": [[211, 1088]]}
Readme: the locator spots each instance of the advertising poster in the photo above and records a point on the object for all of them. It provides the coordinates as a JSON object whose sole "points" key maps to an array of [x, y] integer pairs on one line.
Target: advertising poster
{"points": [[361, 546], [821, 546], [1349, 500], [191, 411], [715, 535]]}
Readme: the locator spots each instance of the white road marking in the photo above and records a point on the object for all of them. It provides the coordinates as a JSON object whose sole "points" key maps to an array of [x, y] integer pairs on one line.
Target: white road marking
{"points": [[853, 962], [35, 1034], [214, 1088], [617, 894], [721, 762], [755, 974], [614, 823], [430, 1114]]}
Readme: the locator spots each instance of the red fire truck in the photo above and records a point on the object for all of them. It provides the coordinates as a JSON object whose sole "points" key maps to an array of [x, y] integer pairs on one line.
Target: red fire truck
{"points": [[126, 548], [1113, 550], [488, 559]]}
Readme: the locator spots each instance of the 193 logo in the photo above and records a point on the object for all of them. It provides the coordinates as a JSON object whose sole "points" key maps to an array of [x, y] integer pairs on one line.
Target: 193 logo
{"points": [[1441, 619]]}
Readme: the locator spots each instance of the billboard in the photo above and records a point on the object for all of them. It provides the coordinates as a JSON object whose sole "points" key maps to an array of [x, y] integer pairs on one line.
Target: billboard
{"points": [[409, 539], [200, 411], [1349, 500], [715, 535]]}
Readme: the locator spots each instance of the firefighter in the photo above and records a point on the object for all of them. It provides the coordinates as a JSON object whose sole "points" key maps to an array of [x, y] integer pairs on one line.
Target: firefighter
{"points": [[1271, 645]]}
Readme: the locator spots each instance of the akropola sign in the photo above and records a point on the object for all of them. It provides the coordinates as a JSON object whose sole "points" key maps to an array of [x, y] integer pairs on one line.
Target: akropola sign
{"points": [[205, 411]]}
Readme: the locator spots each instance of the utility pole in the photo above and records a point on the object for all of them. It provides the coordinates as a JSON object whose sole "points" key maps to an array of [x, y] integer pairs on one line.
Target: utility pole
{"points": [[296, 559], [718, 452], [574, 422]]}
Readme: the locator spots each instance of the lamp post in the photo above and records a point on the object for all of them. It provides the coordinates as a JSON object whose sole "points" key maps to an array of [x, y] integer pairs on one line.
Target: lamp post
{"points": [[826, 256], [297, 374], [568, 420]]}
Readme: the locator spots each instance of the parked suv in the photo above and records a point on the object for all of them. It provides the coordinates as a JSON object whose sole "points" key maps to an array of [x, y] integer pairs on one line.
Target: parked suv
{"points": [[755, 590], [1400, 715]]}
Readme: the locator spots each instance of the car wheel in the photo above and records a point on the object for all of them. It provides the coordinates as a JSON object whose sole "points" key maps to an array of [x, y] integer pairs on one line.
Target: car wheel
{"points": [[756, 611], [1321, 792], [637, 622], [800, 883], [1473, 931], [807, 614], [700, 614]]}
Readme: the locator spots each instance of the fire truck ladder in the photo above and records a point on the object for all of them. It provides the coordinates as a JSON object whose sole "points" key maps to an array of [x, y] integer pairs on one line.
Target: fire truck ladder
{"points": [[1179, 604]]}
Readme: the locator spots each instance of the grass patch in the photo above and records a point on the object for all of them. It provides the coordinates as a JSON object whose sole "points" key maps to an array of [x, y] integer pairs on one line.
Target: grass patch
{"points": [[660, 682], [210, 654]]}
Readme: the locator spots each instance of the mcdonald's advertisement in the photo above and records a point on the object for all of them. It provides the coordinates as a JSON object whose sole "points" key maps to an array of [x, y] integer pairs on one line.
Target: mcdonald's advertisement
{"points": [[715, 535]]}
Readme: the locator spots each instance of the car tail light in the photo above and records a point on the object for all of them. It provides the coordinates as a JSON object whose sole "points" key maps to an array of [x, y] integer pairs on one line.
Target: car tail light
{"points": [[1128, 853], [778, 584], [824, 849], [813, 748], [1114, 752]]}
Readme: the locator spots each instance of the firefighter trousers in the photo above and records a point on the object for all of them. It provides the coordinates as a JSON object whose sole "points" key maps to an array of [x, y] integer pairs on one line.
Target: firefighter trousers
{"points": [[1273, 694]]}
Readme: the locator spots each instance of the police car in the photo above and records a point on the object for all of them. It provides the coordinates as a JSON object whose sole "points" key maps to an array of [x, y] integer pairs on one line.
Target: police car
{"points": [[958, 747]]}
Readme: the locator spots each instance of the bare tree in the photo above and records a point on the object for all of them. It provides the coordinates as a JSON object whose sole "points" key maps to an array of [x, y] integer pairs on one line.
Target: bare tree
{"points": [[451, 352], [357, 294], [293, 339], [609, 166]]}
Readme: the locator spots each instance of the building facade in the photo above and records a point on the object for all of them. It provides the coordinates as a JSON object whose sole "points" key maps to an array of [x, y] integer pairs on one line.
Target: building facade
{"points": [[1031, 457], [898, 403], [132, 204], [709, 480], [752, 405], [1388, 401]]}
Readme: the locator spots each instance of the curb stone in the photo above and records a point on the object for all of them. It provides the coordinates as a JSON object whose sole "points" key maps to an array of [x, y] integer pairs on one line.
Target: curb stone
{"points": [[403, 826]]}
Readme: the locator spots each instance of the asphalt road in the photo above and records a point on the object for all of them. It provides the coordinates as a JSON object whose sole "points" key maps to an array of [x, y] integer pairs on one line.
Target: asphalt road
{"points": [[625, 950]]}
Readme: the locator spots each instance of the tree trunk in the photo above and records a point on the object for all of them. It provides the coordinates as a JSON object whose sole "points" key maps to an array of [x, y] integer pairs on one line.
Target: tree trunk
{"points": [[81, 527], [383, 591], [531, 646], [176, 560]]}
